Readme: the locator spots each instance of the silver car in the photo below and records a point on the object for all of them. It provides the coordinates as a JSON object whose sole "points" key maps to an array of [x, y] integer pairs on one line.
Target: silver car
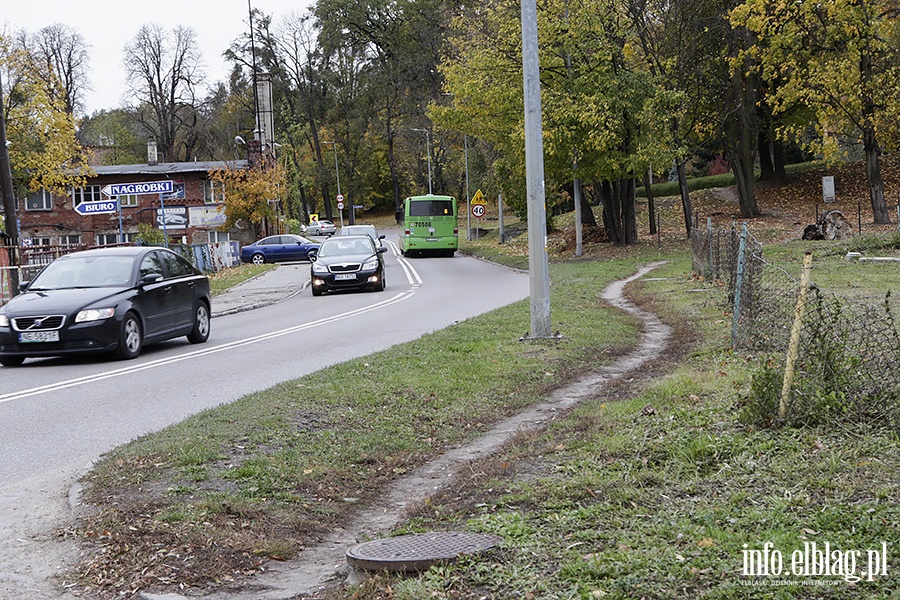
{"points": [[321, 227], [368, 230]]}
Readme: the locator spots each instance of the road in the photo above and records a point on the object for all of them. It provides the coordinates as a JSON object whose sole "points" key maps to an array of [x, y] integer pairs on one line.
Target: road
{"points": [[59, 415]]}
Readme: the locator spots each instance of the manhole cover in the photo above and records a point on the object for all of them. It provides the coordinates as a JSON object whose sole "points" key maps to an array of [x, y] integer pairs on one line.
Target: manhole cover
{"points": [[418, 551]]}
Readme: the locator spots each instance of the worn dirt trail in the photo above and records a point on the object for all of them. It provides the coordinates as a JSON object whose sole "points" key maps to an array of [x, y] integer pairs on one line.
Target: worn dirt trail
{"points": [[325, 564]]}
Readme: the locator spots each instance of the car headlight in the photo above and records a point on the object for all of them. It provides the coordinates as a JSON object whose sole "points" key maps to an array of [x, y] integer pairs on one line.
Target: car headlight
{"points": [[370, 264], [94, 314], [4, 320], [319, 269]]}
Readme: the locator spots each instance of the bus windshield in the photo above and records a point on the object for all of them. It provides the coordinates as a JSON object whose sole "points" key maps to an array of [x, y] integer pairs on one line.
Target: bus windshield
{"points": [[429, 208]]}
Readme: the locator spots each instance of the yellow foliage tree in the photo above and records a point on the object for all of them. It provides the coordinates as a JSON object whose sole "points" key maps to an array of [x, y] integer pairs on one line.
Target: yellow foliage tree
{"points": [[251, 194], [43, 149]]}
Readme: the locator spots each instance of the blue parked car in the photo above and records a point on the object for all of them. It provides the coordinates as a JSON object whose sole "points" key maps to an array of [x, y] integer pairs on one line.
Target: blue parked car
{"points": [[278, 248]]}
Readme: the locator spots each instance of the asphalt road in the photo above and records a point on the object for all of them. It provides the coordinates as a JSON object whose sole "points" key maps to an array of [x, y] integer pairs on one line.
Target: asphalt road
{"points": [[59, 415]]}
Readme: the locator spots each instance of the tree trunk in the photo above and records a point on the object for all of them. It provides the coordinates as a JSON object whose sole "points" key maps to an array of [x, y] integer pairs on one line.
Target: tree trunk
{"points": [[587, 215], [870, 143], [766, 164], [685, 195], [651, 203], [619, 214], [873, 174], [611, 212], [778, 158], [629, 212], [742, 128], [744, 145]]}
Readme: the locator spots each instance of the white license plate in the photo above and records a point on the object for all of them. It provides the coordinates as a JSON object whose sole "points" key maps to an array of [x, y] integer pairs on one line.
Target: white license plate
{"points": [[39, 336], [431, 239], [344, 276]]}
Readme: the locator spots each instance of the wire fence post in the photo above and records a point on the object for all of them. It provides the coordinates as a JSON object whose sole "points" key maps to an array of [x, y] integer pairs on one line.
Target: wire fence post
{"points": [[793, 348], [736, 315]]}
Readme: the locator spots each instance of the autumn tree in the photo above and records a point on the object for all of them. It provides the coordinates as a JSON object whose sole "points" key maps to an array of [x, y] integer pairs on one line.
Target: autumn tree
{"points": [[164, 71], [60, 55], [43, 149], [841, 60], [115, 136], [602, 109], [399, 43], [251, 194], [682, 43]]}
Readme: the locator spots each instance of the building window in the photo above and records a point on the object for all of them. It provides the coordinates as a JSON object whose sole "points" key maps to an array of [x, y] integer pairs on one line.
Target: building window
{"points": [[36, 241], [39, 200], [128, 200], [110, 239], [213, 192], [70, 240], [218, 237], [88, 193]]}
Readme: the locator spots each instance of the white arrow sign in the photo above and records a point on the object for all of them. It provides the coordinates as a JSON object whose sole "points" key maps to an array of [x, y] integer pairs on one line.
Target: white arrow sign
{"points": [[142, 187]]}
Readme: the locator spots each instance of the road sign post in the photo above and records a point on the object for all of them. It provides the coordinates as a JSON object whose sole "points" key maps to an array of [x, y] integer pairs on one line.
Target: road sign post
{"points": [[97, 208], [478, 211], [166, 186]]}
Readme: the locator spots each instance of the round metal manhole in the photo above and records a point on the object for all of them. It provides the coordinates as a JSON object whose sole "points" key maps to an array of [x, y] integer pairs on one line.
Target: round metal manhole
{"points": [[418, 551]]}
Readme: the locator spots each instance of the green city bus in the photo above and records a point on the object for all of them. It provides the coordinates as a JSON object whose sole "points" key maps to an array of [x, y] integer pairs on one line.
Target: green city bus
{"points": [[429, 225]]}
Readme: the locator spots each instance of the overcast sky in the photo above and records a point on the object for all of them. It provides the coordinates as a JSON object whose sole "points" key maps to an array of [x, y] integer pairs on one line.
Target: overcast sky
{"points": [[109, 26]]}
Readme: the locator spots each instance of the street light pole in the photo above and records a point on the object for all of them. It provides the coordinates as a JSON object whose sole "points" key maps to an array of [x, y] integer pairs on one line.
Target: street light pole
{"points": [[534, 175], [337, 176], [428, 150], [468, 208]]}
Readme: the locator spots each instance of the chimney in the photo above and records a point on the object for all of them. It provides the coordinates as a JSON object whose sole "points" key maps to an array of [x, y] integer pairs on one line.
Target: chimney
{"points": [[152, 156]]}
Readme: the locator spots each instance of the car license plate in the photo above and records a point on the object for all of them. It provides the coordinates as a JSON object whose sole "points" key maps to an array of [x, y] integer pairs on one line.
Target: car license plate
{"points": [[431, 239], [344, 276], [39, 336]]}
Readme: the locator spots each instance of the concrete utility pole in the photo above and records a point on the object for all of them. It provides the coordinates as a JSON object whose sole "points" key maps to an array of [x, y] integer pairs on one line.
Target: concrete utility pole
{"points": [[9, 202], [539, 269]]}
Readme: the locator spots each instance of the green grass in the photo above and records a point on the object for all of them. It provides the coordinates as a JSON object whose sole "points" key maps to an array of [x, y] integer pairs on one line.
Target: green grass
{"points": [[228, 278], [670, 188], [650, 490]]}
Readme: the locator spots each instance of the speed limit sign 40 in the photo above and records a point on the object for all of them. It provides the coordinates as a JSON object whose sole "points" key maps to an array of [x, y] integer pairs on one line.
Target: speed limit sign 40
{"points": [[478, 210]]}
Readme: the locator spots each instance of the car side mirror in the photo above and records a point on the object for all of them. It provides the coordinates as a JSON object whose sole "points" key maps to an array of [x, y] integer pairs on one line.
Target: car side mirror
{"points": [[312, 255], [23, 285], [381, 249], [150, 278], [381, 237]]}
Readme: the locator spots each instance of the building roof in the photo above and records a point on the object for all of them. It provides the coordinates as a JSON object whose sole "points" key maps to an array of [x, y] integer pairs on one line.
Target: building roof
{"points": [[171, 167]]}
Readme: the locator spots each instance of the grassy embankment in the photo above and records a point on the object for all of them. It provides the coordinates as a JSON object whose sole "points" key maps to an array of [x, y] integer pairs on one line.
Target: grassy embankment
{"points": [[652, 489]]}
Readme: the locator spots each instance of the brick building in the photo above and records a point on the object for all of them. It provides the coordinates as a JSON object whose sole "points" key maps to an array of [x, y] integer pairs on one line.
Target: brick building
{"points": [[193, 213]]}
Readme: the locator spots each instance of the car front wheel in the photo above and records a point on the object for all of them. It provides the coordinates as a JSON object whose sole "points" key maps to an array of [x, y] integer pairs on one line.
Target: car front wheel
{"points": [[200, 332], [131, 338], [11, 361], [258, 259]]}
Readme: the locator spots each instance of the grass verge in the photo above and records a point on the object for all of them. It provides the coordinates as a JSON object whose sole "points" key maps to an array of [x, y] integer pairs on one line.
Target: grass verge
{"points": [[655, 489], [228, 278]]}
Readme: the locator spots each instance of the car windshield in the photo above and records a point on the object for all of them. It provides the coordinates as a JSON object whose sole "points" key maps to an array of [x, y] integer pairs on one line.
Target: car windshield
{"points": [[77, 272], [346, 246], [359, 230]]}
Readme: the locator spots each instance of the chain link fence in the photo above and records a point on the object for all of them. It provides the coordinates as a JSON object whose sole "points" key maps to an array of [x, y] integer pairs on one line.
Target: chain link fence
{"points": [[830, 358]]}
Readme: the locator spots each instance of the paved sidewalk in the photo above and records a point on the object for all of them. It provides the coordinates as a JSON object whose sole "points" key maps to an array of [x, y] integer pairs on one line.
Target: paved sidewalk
{"points": [[282, 282]]}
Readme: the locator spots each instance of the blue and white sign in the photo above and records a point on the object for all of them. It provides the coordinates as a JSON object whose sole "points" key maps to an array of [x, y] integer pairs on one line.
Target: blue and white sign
{"points": [[97, 208], [142, 187]]}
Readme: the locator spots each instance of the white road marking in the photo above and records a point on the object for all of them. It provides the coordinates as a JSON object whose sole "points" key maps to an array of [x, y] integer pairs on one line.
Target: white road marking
{"points": [[201, 353]]}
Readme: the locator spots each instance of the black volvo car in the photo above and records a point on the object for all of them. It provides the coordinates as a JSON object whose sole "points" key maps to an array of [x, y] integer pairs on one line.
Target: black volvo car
{"points": [[347, 263], [105, 300]]}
